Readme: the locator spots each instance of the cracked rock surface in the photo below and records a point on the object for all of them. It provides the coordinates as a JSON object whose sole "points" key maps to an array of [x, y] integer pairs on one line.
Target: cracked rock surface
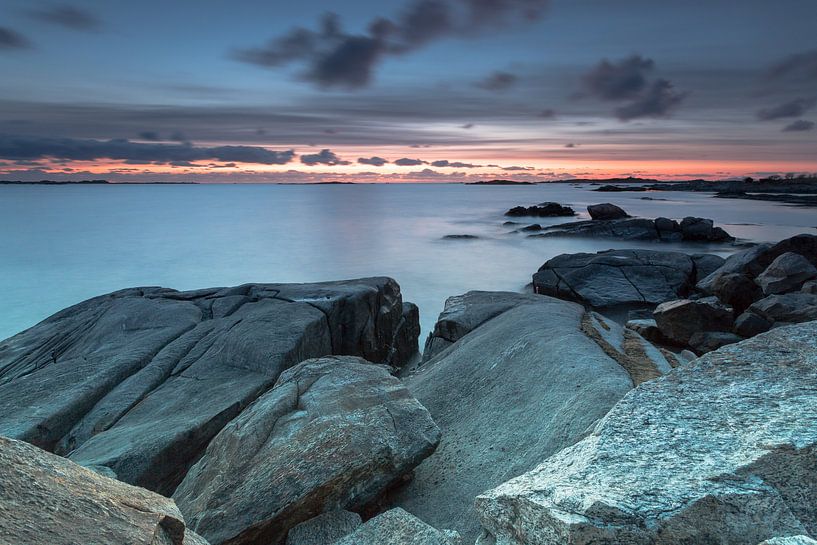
{"points": [[333, 433], [138, 381], [721, 450]]}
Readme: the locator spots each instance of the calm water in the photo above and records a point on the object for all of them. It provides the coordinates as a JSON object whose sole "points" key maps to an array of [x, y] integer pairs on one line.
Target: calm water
{"points": [[62, 244]]}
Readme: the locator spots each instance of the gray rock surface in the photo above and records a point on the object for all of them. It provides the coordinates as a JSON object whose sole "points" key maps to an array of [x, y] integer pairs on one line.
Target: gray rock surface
{"points": [[750, 324], [722, 450], [679, 320], [810, 287], [786, 273], [333, 433], [606, 211], [647, 328], [793, 540], [48, 500], [528, 375], [706, 264], [787, 308], [325, 528], [140, 380], [617, 277], [707, 341], [397, 527], [736, 290], [661, 229], [544, 210]]}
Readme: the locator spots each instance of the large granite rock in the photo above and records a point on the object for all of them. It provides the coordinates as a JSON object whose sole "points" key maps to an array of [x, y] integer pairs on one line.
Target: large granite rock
{"points": [[787, 308], [140, 380], [617, 277], [397, 527], [526, 376], [333, 433], [736, 290], [722, 451], [606, 211], [786, 273], [792, 540], [325, 528], [48, 500], [681, 319], [661, 229]]}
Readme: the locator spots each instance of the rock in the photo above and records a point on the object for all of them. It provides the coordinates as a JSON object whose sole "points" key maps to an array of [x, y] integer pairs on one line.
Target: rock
{"points": [[721, 450], [617, 277], [46, 499], [680, 320], [754, 261], [531, 228], [647, 328], [333, 433], [789, 307], [324, 529], [786, 273], [794, 540], [736, 290], [525, 376], [750, 324], [640, 229], [140, 380], [667, 225], [606, 211], [545, 209], [397, 527], [810, 287], [705, 264], [618, 188], [405, 346], [460, 237], [707, 341]]}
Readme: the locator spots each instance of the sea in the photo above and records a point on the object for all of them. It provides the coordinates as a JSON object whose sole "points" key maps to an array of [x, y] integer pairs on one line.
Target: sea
{"points": [[61, 244]]}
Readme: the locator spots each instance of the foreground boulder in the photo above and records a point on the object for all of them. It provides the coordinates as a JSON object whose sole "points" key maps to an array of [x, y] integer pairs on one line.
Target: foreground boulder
{"points": [[140, 380], [722, 450], [606, 211], [397, 527], [46, 499], [544, 210], [793, 540], [333, 433], [786, 273], [681, 319], [524, 376], [787, 308], [617, 277]]}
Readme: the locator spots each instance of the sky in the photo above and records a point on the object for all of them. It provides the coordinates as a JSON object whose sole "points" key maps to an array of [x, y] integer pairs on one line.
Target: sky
{"points": [[407, 90]]}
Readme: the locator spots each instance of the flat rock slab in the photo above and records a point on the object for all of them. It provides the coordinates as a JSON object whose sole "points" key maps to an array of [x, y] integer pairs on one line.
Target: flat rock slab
{"points": [[333, 433], [518, 385], [140, 380], [722, 450], [397, 527], [46, 499]]}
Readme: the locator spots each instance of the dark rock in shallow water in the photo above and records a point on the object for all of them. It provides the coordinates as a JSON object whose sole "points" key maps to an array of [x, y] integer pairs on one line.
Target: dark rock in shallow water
{"points": [[606, 211], [617, 277], [324, 529], [140, 380], [680, 320], [46, 500], [460, 237], [721, 450], [661, 229], [531, 227], [545, 209], [619, 188], [520, 377], [788, 272], [333, 433], [397, 527]]}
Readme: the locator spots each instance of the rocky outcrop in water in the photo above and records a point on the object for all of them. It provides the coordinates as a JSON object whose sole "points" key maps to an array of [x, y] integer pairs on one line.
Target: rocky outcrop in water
{"points": [[606, 211], [721, 450], [46, 499], [690, 229], [137, 382], [512, 378], [542, 210]]}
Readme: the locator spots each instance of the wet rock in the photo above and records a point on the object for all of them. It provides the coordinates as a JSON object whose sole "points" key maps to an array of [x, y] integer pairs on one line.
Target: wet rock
{"points": [[526, 376], [606, 211], [617, 277], [786, 273], [531, 228], [545, 209], [46, 499], [324, 529], [140, 380], [639, 229], [721, 450], [680, 320], [789, 307], [333, 433], [707, 341], [750, 324], [397, 527], [460, 237], [736, 290]]}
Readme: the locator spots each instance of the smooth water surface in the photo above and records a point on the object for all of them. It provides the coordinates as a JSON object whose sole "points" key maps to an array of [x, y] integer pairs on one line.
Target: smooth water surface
{"points": [[62, 244]]}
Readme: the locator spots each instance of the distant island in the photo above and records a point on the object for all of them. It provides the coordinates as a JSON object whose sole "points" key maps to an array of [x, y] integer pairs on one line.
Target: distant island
{"points": [[500, 182]]}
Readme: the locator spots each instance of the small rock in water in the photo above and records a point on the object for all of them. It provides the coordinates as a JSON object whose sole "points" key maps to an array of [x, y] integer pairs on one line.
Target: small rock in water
{"points": [[606, 211], [545, 209]]}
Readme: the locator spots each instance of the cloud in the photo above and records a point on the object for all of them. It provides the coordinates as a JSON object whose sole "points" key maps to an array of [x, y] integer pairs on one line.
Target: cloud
{"points": [[799, 126], [373, 161], [406, 162], [547, 113], [628, 79], [151, 136], [799, 65], [467, 126], [10, 39], [498, 81], [67, 16], [324, 157], [124, 150], [443, 163], [658, 101], [332, 57], [793, 108]]}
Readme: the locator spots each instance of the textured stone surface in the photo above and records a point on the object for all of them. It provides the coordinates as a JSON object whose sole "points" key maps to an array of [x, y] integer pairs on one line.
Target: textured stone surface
{"points": [[786, 273], [617, 277], [397, 527], [793, 540], [48, 500], [680, 320], [606, 211], [140, 380], [787, 308], [333, 433], [736, 290], [519, 385], [750, 324], [647, 328], [707, 341], [810, 287], [722, 450], [545, 209], [324, 529], [661, 229]]}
